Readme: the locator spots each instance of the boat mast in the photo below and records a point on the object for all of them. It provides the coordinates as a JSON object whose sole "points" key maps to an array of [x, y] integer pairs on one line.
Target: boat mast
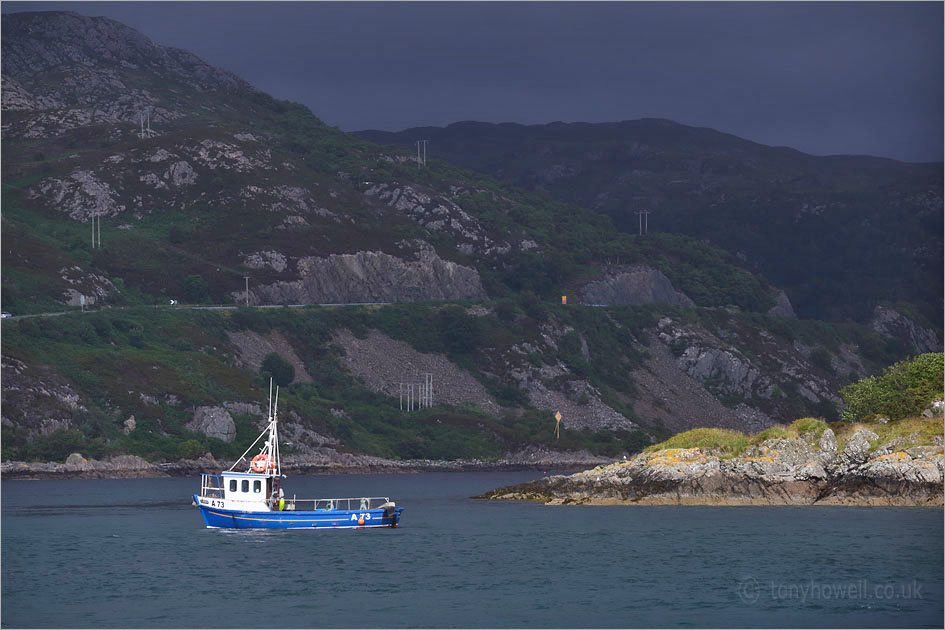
{"points": [[274, 434], [271, 446]]}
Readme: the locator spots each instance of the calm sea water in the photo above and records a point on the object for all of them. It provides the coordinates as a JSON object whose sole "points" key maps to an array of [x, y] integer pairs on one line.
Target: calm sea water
{"points": [[134, 553]]}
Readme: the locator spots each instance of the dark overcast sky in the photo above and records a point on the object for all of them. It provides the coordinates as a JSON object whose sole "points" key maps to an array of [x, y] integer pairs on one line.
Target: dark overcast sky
{"points": [[821, 77]]}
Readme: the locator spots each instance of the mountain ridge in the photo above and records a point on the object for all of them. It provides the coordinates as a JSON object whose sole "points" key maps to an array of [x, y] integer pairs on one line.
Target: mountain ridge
{"points": [[764, 204]]}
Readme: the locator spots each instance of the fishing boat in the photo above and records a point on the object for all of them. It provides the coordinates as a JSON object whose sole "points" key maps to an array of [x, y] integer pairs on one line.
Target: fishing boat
{"points": [[254, 498]]}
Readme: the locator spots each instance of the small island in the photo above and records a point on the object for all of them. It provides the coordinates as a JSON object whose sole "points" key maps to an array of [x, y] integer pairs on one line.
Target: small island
{"points": [[887, 451], [807, 463]]}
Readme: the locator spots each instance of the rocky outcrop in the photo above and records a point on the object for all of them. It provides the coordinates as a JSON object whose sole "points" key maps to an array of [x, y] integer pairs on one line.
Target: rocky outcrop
{"points": [[439, 214], [636, 285], [86, 288], [668, 396], [82, 195], [892, 324], [215, 422], [78, 467], [750, 366], [263, 259], [798, 471], [782, 307], [373, 277], [96, 57], [36, 399]]}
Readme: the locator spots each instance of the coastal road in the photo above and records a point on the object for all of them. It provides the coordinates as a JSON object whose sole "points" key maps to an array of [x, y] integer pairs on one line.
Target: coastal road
{"points": [[204, 308]]}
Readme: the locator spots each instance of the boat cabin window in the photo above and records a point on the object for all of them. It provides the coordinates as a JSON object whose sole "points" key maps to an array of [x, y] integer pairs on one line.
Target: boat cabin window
{"points": [[245, 484], [232, 485], [257, 486]]}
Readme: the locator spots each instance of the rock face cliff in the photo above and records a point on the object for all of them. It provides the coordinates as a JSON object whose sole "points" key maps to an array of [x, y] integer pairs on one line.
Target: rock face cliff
{"points": [[373, 277], [892, 324], [799, 471], [634, 286]]}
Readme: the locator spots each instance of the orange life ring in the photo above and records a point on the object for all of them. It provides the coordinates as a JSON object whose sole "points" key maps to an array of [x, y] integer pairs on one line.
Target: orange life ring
{"points": [[262, 462]]}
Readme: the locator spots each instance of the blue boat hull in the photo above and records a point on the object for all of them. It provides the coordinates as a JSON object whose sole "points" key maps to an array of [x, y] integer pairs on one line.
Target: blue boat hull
{"points": [[319, 519]]}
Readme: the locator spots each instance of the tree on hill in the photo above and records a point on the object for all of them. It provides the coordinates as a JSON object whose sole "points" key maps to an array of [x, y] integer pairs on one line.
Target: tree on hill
{"points": [[195, 289], [281, 371], [903, 389]]}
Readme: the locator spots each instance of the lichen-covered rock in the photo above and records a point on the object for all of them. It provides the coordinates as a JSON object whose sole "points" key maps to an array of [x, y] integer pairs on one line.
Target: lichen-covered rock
{"points": [[857, 449], [828, 446], [215, 422], [75, 459]]}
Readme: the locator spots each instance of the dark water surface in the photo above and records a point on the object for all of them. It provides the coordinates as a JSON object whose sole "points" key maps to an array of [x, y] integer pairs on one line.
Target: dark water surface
{"points": [[134, 553]]}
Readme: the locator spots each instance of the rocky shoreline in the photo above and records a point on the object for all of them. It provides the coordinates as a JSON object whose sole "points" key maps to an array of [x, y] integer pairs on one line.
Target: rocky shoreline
{"points": [[798, 471], [327, 461]]}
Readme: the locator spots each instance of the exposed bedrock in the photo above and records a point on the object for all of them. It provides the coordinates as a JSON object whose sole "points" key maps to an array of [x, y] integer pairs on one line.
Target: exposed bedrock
{"points": [[373, 277], [636, 285]]}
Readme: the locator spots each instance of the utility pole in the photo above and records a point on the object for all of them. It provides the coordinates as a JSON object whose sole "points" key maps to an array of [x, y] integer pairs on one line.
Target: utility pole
{"points": [[421, 156], [643, 216], [100, 231], [145, 119], [247, 289]]}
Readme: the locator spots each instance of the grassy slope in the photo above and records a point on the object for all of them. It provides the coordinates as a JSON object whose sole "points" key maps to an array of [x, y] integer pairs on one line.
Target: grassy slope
{"points": [[915, 431]]}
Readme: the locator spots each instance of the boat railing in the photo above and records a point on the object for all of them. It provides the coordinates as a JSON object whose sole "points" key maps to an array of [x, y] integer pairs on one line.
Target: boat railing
{"points": [[345, 503], [211, 486]]}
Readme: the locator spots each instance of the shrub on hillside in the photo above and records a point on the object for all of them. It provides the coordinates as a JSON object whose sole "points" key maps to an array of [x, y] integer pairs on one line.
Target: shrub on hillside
{"points": [[904, 389], [195, 289], [459, 331]]}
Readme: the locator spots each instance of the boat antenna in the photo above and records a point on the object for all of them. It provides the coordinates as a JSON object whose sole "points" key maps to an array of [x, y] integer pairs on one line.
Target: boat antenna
{"points": [[270, 398]]}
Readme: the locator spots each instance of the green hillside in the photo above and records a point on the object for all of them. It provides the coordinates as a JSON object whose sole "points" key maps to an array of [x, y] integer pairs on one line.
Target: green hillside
{"points": [[230, 183]]}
